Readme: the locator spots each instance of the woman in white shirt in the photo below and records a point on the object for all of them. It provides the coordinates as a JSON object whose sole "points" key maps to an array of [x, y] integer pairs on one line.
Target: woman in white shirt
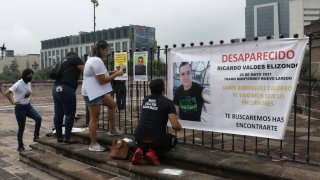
{"points": [[19, 95], [96, 85]]}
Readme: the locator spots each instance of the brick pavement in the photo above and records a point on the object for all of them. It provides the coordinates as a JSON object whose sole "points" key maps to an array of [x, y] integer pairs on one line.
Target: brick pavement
{"points": [[10, 166]]}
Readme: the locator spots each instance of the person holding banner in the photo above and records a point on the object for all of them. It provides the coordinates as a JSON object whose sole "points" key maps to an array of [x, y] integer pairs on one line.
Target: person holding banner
{"points": [[96, 72], [189, 97], [150, 135], [140, 68]]}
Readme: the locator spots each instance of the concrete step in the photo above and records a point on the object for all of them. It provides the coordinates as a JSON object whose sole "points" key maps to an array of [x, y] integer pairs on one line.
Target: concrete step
{"points": [[42, 153], [63, 167], [190, 161]]}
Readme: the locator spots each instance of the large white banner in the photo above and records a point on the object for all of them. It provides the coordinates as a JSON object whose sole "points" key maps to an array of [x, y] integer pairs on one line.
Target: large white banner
{"points": [[243, 88]]}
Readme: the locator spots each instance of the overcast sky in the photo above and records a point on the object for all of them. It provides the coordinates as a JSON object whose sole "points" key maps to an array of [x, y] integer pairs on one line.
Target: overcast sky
{"points": [[24, 23]]}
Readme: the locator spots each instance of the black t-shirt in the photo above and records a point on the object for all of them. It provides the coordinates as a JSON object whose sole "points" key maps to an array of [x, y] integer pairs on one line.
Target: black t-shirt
{"points": [[70, 72], [140, 70], [154, 117], [190, 102]]}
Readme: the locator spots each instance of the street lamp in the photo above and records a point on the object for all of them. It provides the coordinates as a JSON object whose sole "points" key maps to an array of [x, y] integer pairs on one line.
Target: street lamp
{"points": [[95, 4], [3, 48], [35, 66]]}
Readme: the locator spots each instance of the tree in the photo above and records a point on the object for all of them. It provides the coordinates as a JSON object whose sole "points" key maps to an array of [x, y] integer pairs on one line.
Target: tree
{"points": [[42, 74]]}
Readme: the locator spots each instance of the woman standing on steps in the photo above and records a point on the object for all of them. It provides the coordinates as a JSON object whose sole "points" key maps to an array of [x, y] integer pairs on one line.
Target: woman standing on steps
{"points": [[95, 77], [19, 95], [64, 95]]}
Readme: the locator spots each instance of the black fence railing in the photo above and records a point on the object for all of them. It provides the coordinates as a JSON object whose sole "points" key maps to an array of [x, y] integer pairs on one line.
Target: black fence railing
{"points": [[301, 142]]}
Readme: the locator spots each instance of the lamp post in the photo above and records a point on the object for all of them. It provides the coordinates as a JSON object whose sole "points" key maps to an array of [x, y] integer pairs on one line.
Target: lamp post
{"points": [[35, 66], [3, 48], [95, 4]]}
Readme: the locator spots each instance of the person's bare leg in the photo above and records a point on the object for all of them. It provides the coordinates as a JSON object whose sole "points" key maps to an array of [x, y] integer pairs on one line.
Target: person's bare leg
{"points": [[94, 112], [109, 102]]}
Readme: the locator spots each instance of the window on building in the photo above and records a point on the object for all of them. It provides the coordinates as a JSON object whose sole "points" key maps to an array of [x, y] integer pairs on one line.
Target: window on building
{"points": [[111, 34], [118, 47], [58, 55], [125, 46], [42, 60], [125, 33], [87, 49], [45, 59], [105, 35], [111, 47], [118, 34], [61, 53]]}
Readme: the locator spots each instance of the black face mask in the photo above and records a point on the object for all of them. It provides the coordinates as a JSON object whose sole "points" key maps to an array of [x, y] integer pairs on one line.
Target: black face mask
{"points": [[27, 79]]}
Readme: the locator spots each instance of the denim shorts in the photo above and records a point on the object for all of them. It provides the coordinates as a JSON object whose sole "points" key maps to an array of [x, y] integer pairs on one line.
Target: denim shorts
{"points": [[96, 101]]}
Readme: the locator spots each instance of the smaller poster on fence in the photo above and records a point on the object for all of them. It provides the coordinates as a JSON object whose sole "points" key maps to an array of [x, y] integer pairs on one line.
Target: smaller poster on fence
{"points": [[140, 64], [121, 61]]}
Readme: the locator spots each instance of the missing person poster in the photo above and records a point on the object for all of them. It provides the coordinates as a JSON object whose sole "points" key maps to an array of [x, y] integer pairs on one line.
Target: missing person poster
{"points": [[121, 62], [244, 88], [140, 64]]}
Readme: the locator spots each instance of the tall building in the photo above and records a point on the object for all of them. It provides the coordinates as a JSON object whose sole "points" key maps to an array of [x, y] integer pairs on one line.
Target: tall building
{"points": [[275, 17], [119, 39]]}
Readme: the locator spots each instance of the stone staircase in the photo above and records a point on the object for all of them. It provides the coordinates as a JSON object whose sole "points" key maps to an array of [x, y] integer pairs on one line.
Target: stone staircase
{"points": [[75, 161]]}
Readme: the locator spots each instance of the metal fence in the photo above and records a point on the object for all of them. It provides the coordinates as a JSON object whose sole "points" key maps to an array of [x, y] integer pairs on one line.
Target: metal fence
{"points": [[302, 137]]}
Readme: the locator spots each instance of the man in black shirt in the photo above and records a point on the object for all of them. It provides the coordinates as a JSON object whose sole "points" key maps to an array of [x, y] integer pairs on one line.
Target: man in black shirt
{"points": [[140, 68], [150, 135], [188, 97]]}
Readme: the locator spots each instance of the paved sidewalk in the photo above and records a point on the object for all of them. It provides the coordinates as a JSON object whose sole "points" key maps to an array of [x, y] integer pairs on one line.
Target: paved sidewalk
{"points": [[10, 166]]}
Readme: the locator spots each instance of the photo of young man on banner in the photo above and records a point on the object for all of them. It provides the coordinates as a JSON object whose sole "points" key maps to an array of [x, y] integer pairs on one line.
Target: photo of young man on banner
{"points": [[140, 62], [121, 61], [191, 89], [252, 86]]}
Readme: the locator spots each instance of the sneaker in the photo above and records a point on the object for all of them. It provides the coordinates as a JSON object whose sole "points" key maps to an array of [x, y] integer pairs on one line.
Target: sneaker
{"points": [[137, 157], [152, 157], [115, 133], [20, 148], [36, 139], [96, 147]]}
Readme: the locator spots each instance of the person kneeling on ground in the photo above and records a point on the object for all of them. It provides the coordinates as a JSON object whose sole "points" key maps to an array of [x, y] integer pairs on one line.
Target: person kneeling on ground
{"points": [[151, 137]]}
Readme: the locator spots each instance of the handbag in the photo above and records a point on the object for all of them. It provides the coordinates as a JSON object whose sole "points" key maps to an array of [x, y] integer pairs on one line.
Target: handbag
{"points": [[119, 149]]}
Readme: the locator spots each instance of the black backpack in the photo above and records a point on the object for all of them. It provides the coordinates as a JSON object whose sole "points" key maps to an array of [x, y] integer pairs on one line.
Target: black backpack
{"points": [[56, 70]]}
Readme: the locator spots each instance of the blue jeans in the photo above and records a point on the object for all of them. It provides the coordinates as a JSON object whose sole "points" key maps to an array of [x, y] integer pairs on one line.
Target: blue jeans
{"points": [[22, 111], [65, 104]]}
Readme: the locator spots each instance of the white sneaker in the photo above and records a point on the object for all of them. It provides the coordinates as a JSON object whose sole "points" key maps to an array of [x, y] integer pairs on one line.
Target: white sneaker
{"points": [[115, 132], [96, 147]]}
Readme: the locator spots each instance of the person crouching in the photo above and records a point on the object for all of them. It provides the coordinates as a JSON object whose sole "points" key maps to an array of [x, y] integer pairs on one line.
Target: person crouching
{"points": [[151, 137]]}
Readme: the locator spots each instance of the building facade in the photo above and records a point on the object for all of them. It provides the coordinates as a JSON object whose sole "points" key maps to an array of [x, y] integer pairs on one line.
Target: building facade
{"points": [[120, 39], [21, 62], [279, 17]]}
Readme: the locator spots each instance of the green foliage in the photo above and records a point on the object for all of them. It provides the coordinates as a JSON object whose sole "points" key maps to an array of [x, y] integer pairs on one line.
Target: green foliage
{"points": [[306, 62], [42, 74], [7, 74]]}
